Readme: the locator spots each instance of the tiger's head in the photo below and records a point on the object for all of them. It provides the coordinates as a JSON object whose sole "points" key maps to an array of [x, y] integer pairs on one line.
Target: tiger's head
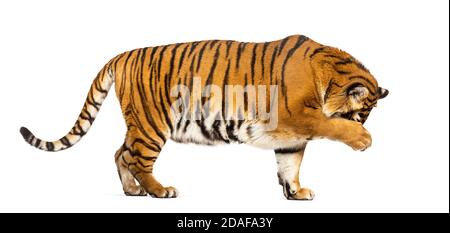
{"points": [[346, 88]]}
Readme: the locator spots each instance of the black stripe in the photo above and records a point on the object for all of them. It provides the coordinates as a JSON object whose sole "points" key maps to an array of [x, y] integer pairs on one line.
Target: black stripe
{"points": [[180, 62], [186, 98], [161, 57], [287, 190], [211, 71], [165, 113], [172, 59], [191, 84], [288, 150], [133, 69], [238, 54], [282, 44], [99, 88], [50, 146], [186, 125], [327, 92], [334, 83], [213, 43], [334, 56], [249, 131], [153, 147], [122, 84], [77, 130], [91, 94], [191, 67], [184, 110], [213, 66], [203, 130], [200, 55], [240, 122], [152, 76], [38, 141], [316, 51], [179, 123], [343, 72], [230, 131], [217, 135], [92, 102], [306, 51], [262, 59], [140, 162], [185, 78], [153, 91], [116, 60], [272, 62], [309, 105], [245, 93], [152, 53], [88, 118], [167, 80], [149, 120], [65, 141], [300, 41], [225, 82], [144, 157], [228, 44], [365, 79], [253, 63], [344, 62], [194, 45], [200, 123], [141, 70]]}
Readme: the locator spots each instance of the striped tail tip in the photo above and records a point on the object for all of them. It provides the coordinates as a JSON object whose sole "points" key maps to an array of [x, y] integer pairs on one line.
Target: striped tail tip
{"points": [[26, 134], [36, 142]]}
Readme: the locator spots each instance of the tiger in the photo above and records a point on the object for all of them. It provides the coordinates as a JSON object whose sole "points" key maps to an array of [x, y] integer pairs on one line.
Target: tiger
{"points": [[320, 92]]}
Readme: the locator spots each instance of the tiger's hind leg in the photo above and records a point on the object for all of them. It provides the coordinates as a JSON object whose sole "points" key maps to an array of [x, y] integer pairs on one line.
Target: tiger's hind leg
{"points": [[138, 158], [130, 188]]}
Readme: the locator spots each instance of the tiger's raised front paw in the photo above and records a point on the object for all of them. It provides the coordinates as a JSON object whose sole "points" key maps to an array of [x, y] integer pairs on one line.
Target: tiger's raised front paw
{"points": [[358, 138], [165, 192]]}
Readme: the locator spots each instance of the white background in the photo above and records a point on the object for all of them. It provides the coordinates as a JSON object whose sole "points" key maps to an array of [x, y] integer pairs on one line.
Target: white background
{"points": [[50, 51]]}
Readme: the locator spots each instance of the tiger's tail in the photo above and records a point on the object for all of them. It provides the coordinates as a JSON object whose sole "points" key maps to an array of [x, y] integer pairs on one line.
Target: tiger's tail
{"points": [[97, 94]]}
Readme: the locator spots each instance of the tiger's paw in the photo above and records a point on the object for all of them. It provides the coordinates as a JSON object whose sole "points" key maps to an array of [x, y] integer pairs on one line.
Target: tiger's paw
{"points": [[165, 192], [135, 191], [359, 138], [304, 194]]}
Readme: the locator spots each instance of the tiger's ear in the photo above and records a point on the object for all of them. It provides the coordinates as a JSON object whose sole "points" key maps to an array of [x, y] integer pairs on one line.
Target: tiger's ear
{"points": [[382, 92], [357, 92]]}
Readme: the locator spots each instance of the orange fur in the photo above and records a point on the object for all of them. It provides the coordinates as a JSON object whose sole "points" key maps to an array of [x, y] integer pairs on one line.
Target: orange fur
{"points": [[323, 93]]}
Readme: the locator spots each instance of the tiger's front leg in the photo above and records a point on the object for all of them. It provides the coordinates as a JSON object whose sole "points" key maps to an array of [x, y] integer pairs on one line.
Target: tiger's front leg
{"points": [[352, 133], [289, 161], [349, 132]]}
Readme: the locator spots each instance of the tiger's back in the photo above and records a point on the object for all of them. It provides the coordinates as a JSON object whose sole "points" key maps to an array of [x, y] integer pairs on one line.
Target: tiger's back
{"points": [[145, 77]]}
